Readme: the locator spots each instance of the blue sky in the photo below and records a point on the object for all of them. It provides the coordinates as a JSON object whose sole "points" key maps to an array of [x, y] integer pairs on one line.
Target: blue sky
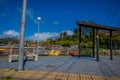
{"points": [[56, 16]]}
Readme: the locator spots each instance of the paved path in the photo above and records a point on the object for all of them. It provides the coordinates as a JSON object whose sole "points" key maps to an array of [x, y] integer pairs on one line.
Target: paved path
{"points": [[70, 65]]}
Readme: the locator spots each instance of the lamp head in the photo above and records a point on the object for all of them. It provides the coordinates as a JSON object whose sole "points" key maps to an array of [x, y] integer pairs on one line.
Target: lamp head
{"points": [[39, 18]]}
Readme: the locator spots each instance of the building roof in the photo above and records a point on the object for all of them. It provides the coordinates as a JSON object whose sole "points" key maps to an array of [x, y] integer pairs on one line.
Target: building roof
{"points": [[93, 25]]}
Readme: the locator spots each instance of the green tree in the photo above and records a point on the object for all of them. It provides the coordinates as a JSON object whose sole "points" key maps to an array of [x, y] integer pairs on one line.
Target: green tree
{"points": [[64, 34], [61, 35]]}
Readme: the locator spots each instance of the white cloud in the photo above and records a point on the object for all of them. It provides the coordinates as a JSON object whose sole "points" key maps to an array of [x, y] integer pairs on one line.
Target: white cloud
{"points": [[46, 35], [11, 33], [69, 32], [43, 36]]}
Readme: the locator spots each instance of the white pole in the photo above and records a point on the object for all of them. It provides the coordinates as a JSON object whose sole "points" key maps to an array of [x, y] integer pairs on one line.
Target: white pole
{"points": [[21, 45], [38, 18]]}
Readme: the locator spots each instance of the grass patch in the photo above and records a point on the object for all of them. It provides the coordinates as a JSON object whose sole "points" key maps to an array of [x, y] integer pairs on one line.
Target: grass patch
{"points": [[11, 68], [7, 78]]}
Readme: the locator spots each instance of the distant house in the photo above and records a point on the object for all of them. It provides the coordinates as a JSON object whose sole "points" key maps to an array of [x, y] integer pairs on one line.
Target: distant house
{"points": [[54, 46]]}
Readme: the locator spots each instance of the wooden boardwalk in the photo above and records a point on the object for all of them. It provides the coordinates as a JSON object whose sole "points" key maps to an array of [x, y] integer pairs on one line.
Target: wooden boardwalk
{"points": [[9, 74]]}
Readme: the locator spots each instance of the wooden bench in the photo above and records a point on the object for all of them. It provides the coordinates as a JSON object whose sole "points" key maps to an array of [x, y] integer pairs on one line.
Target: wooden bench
{"points": [[11, 56]]}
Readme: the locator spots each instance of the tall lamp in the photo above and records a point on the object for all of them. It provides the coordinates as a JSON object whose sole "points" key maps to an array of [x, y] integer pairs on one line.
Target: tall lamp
{"points": [[38, 19]]}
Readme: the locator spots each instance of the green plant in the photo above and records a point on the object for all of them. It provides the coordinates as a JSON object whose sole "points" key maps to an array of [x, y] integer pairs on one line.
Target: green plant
{"points": [[7, 78]]}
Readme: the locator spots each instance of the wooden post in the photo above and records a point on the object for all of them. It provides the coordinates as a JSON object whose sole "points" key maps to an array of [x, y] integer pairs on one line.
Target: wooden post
{"points": [[97, 44], [80, 41], [93, 43], [115, 48], [111, 55]]}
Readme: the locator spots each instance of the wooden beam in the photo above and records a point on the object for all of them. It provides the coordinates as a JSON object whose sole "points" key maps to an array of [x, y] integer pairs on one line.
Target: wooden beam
{"points": [[93, 25]]}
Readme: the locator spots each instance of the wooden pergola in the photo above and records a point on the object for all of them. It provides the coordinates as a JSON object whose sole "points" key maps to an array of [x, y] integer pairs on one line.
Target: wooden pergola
{"points": [[97, 27]]}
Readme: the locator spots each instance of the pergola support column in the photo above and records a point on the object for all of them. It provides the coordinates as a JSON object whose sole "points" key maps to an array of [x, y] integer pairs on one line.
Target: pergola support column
{"points": [[93, 43], [111, 55], [80, 41], [97, 44]]}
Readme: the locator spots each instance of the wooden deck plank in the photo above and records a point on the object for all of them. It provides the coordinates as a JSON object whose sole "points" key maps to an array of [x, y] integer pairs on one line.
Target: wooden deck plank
{"points": [[85, 77], [51, 75], [94, 77], [39, 75], [65, 76], [59, 76], [117, 78], [62, 76], [100, 77], [19, 74], [108, 78], [10, 72], [88, 76], [97, 77], [73, 77], [111, 78], [29, 74], [82, 77], [4, 70]]}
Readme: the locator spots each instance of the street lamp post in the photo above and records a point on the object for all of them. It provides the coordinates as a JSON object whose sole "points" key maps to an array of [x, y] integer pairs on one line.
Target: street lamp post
{"points": [[21, 45], [38, 19]]}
